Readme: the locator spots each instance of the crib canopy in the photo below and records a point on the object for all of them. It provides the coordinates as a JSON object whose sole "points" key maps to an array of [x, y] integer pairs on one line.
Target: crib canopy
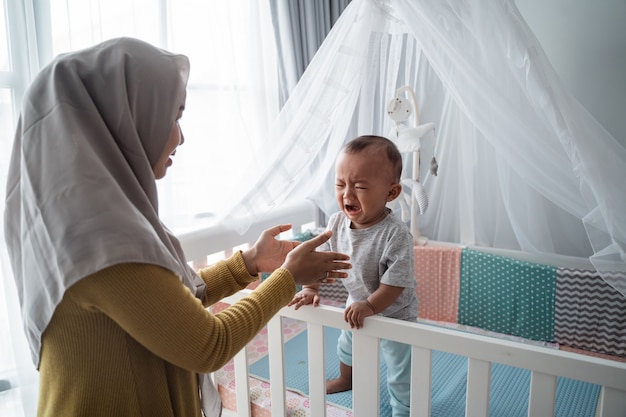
{"points": [[523, 165]]}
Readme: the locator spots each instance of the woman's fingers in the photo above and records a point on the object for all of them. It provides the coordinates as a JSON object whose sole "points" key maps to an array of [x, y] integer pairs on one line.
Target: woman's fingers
{"points": [[309, 266], [278, 229], [313, 243]]}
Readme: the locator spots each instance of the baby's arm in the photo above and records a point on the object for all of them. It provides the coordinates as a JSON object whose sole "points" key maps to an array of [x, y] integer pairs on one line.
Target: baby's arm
{"points": [[308, 295], [378, 301]]}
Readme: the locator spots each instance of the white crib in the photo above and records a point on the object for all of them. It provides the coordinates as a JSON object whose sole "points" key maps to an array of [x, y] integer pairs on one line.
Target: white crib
{"points": [[544, 364]]}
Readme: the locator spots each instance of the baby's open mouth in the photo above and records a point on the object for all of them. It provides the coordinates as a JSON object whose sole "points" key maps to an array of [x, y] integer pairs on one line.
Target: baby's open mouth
{"points": [[352, 209]]}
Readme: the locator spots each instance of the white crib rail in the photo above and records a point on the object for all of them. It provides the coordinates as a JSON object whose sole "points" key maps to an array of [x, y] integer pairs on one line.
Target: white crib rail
{"points": [[545, 364]]}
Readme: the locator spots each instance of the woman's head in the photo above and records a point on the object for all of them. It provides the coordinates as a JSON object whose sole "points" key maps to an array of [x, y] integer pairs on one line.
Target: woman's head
{"points": [[367, 177], [154, 90], [130, 91], [97, 126], [155, 83]]}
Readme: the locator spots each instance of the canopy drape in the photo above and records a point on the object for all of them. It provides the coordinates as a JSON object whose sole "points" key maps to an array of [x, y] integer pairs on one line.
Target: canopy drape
{"points": [[523, 165]]}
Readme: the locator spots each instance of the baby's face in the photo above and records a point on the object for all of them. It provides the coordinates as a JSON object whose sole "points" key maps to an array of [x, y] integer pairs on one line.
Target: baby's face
{"points": [[363, 186]]}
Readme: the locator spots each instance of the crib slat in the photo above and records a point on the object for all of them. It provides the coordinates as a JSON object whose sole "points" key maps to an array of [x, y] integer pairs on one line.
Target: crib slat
{"points": [[421, 381], [542, 394], [242, 387], [317, 379], [276, 352], [612, 403], [478, 382], [365, 375]]}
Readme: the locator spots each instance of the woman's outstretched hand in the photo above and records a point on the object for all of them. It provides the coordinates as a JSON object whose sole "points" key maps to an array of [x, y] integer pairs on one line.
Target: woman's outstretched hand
{"points": [[300, 258], [268, 253], [311, 267]]}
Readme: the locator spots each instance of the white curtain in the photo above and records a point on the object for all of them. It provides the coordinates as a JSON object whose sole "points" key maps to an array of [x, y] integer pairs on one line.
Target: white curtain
{"points": [[232, 96], [522, 164], [300, 27]]}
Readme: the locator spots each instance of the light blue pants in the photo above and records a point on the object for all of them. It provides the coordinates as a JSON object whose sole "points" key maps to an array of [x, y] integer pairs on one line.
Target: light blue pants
{"points": [[397, 357]]}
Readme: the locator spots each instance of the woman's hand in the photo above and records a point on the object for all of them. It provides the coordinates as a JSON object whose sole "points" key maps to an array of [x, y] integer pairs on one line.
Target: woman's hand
{"points": [[268, 253], [300, 258], [311, 267]]}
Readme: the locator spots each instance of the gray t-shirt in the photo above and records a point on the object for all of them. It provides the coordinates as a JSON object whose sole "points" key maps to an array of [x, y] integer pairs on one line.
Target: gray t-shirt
{"points": [[382, 253]]}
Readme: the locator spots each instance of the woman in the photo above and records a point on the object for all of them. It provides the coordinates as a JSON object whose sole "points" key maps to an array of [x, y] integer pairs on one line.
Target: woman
{"points": [[115, 317]]}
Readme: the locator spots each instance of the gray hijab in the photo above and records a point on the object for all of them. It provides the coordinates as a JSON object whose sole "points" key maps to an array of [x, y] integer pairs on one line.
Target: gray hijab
{"points": [[81, 194]]}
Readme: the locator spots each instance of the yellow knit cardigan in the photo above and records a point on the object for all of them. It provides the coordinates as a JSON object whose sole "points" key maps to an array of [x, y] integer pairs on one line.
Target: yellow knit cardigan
{"points": [[129, 339]]}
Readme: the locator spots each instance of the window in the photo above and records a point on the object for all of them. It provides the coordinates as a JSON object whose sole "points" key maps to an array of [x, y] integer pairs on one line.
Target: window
{"points": [[232, 97]]}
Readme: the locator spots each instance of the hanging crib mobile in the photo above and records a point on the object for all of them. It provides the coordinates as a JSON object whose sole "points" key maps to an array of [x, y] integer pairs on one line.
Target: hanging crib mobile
{"points": [[408, 139]]}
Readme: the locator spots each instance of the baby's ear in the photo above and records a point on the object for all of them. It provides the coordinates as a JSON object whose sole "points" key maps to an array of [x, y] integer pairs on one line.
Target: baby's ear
{"points": [[394, 192]]}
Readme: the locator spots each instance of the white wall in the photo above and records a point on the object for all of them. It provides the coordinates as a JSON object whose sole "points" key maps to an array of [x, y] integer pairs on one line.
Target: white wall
{"points": [[586, 43]]}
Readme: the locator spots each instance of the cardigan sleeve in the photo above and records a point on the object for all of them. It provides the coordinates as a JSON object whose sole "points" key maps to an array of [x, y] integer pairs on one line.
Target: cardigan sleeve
{"points": [[152, 305], [216, 279]]}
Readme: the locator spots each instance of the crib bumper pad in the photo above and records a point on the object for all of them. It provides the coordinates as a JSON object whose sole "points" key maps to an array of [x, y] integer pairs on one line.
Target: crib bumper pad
{"points": [[437, 270], [590, 314], [507, 295]]}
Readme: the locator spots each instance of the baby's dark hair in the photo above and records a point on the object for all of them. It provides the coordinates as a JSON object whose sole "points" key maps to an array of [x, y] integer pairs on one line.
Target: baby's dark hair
{"points": [[362, 143]]}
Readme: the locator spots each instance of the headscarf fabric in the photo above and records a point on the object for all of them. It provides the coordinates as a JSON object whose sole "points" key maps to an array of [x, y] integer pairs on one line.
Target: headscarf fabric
{"points": [[81, 194]]}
